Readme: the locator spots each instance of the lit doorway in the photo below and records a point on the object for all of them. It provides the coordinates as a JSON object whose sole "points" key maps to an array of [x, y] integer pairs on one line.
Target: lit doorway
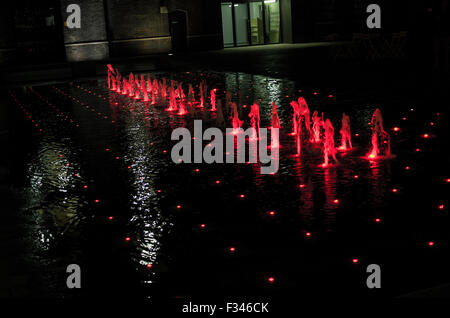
{"points": [[251, 22]]}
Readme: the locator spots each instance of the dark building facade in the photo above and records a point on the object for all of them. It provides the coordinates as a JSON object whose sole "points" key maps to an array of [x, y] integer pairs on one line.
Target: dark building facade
{"points": [[37, 32]]}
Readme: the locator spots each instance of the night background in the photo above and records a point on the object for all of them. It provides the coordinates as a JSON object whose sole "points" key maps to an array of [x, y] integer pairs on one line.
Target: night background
{"points": [[87, 178]]}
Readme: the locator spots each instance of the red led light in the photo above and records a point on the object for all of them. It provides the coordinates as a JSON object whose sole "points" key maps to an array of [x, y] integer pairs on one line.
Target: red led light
{"points": [[425, 136], [301, 186], [197, 170], [107, 149], [217, 181], [377, 220], [355, 261], [407, 168], [159, 191], [271, 279], [85, 187], [336, 201], [149, 266], [127, 239], [431, 243], [441, 207], [232, 249], [272, 213], [308, 234], [110, 218], [447, 180], [394, 190], [242, 196], [178, 206], [202, 226], [396, 129], [97, 201], [417, 149], [355, 177]]}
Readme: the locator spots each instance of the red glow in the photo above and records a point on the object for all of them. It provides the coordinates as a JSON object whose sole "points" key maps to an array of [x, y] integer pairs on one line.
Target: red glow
{"points": [[308, 234], [431, 243], [202, 226], [110, 218], [159, 191], [355, 261], [271, 279], [97, 201], [272, 213], [394, 190], [232, 249], [447, 180], [417, 149], [396, 129], [178, 206], [217, 181], [377, 220], [426, 136], [336, 201], [242, 196], [85, 186], [127, 239], [441, 207], [355, 177], [301, 186], [197, 170], [149, 266], [407, 168]]}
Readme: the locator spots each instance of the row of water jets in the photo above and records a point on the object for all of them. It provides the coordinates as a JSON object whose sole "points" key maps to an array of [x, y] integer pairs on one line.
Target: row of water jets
{"points": [[305, 128]]}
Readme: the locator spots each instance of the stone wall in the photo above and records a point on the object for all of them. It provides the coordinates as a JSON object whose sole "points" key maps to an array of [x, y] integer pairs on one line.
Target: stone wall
{"points": [[88, 43]]}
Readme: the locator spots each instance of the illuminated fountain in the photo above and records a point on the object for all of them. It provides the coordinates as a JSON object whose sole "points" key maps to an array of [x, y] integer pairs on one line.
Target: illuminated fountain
{"points": [[137, 94], [381, 141], [172, 100], [316, 129], [191, 95], [295, 117], [304, 113], [202, 98], [213, 100], [236, 122], [275, 118], [145, 91], [255, 119], [328, 143], [346, 135], [317, 126]]}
